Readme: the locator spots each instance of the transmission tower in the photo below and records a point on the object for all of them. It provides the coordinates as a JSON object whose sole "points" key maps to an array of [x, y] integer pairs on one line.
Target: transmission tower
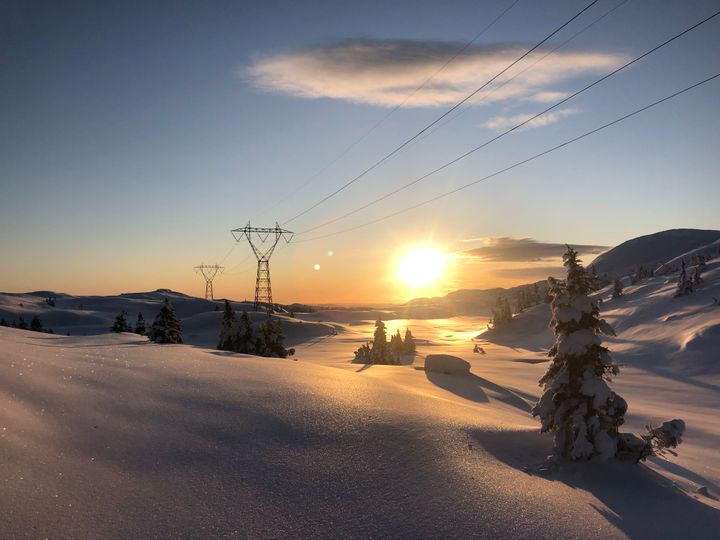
{"points": [[209, 273], [263, 241]]}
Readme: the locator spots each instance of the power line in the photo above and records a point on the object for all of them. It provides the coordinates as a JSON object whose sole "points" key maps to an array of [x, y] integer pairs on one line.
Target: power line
{"points": [[530, 66], [510, 130], [391, 112], [446, 113], [519, 163]]}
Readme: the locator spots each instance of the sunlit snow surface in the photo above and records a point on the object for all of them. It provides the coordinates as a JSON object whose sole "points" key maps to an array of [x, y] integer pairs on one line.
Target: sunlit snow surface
{"points": [[114, 437]]}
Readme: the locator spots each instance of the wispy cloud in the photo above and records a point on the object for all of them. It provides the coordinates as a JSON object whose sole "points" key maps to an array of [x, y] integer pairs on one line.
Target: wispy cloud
{"points": [[501, 123], [504, 249], [385, 73]]}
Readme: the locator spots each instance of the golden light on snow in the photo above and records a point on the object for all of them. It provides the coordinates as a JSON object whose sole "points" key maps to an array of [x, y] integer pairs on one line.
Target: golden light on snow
{"points": [[316, 267], [421, 267]]}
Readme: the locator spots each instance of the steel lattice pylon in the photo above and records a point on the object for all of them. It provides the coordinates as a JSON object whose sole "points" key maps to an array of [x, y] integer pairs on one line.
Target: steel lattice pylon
{"points": [[263, 241], [209, 273]]}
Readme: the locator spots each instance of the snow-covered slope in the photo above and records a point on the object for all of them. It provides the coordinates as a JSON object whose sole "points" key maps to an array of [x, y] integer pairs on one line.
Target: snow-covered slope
{"points": [[654, 329], [114, 437], [651, 250], [93, 315]]}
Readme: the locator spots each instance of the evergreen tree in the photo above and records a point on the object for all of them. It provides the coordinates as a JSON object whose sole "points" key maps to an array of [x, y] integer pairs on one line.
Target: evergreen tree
{"points": [[577, 404], [502, 313], [536, 294], [166, 327], [121, 324], [617, 288], [396, 346], [227, 329], [362, 355], [244, 338], [409, 343], [273, 339], [379, 352], [140, 327], [685, 285], [3, 322], [36, 325], [22, 325]]}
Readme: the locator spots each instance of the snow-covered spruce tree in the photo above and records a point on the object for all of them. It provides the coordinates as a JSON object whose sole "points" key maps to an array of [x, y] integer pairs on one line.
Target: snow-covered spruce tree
{"points": [[379, 352], [166, 327], [227, 329], [617, 288], [577, 404], [409, 346], [244, 339], [685, 284], [502, 314], [121, 324], [140, 327]]}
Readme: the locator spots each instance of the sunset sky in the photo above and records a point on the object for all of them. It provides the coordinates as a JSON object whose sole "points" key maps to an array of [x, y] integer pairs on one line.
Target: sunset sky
{"points": [[136, 135]]}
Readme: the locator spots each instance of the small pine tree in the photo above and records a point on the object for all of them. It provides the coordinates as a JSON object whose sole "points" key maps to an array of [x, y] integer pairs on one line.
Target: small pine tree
{"points": [[617, 288], [166, 327], [577, 404], [409, 346], [140, 327], [273, 339], [35, 324], [3, 322], [244, 339], [396, 346], [685, 285], [121, 324], [379, 352], [22, 325], [362, 355], [227, 329]]}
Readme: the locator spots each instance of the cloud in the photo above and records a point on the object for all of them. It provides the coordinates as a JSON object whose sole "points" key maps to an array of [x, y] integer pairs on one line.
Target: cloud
{"points": [[501, 123], [387, 73], [506, 249]]}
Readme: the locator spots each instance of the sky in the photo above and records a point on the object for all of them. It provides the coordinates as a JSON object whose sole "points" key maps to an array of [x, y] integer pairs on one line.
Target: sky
{"points": [[135, 135]]}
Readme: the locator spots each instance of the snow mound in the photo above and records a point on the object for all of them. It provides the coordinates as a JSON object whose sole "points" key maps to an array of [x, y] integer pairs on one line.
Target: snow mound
{"points": [[446, 363]]}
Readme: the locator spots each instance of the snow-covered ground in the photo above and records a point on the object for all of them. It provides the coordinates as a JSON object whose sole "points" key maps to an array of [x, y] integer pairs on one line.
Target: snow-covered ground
{"points": [[110, 436]]}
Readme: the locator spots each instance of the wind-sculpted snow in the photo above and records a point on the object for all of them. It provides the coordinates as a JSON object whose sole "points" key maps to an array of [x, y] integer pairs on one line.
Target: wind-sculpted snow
{"points": [[114, 437]]}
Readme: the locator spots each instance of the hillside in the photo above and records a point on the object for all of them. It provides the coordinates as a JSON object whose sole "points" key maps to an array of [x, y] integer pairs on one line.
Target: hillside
{"points": [[655, 330], [652, 250], [94, 315]]}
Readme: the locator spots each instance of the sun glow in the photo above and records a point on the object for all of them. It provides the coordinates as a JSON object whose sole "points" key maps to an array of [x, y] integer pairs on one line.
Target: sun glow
{"points": [[421, 267]]}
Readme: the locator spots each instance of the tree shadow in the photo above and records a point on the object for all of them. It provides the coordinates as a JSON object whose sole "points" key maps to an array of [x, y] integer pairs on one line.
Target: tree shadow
{"points": [[471, 387], [685, 473], [635, 499]]}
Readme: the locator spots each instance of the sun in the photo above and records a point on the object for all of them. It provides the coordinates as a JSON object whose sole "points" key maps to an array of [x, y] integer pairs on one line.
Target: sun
{"points": [[421, 267]]}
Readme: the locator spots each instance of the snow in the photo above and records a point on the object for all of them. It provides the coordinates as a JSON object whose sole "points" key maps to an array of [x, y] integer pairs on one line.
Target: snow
{"points": [[111, 436], [651, 251], [445, 363]]}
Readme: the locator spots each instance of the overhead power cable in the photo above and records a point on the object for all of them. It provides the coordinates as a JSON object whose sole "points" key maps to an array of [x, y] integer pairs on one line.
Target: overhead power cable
{"points": [[510, 130], [439, 118], [382, 120], [494, 89], [515, 165]]}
